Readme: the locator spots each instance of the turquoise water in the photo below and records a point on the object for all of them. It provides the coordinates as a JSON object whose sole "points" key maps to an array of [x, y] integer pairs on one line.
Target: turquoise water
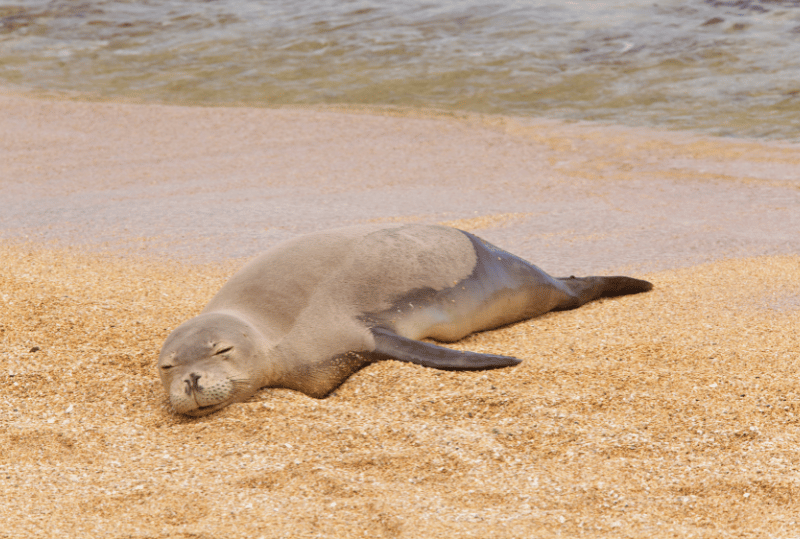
{"points": [[722, 67]]}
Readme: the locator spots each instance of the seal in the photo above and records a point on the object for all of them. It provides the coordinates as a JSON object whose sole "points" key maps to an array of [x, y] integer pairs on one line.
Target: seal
{"points": [[311, 311]]}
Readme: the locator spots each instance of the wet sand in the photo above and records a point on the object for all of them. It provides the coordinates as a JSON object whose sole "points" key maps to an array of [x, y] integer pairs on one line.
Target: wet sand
{"points": [[666, 414]]}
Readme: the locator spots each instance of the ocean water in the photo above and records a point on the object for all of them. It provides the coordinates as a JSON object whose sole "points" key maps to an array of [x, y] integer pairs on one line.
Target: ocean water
{"points": [[723, 67]]}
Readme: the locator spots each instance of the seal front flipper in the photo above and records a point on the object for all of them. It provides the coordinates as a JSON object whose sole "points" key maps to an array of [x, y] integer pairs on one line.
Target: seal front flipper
{"points": [[389, 345]]}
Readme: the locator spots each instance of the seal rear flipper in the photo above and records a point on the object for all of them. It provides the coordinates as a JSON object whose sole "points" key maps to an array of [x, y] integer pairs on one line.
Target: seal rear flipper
{"points": [[389, 345], [586, 289]]}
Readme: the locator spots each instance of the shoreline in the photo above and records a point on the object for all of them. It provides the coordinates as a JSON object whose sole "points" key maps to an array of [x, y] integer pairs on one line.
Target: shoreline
{"points": [[217, 183]]}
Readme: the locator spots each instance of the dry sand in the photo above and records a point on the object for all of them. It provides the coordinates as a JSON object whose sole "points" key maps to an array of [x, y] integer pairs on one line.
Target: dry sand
{"points": [[674, 413]]}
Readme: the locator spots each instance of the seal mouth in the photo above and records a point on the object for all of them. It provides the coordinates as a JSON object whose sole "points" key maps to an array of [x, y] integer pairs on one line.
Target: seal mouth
{"points": [[238, 393], [205, 410]]}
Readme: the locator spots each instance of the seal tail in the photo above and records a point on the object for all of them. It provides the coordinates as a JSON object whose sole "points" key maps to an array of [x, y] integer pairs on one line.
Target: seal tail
{"points": [[586, 289], [389, 345]]}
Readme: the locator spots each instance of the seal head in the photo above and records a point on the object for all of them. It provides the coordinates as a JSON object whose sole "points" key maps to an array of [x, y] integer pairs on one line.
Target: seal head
{"points": [[208, 363]]}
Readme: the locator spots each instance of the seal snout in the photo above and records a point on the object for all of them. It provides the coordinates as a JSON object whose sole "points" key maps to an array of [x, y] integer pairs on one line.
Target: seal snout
{"points": [[201, 391], [193, 383]]}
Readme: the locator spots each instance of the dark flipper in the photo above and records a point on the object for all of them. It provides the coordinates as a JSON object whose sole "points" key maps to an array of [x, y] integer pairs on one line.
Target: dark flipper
{"points": [[586, 289], [389, 345]]}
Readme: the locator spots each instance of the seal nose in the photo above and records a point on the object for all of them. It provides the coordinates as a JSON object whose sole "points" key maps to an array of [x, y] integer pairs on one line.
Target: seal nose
{"points": [[193, 383]]}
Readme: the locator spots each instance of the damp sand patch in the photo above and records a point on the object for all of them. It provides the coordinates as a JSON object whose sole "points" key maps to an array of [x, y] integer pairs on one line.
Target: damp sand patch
{"points": [[665, 414]]}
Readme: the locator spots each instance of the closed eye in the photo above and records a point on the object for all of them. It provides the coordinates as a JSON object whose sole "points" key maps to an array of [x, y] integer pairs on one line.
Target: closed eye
{"points": [[224, 350], [166, 367]]}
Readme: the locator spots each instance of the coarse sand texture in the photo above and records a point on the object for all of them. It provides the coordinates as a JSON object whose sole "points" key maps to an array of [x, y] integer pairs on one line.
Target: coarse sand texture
{"points": [[663, 414]]}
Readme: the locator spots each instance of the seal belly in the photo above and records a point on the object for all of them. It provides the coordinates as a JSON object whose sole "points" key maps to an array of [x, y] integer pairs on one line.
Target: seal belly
{"points": [[501, 289], [455, 315]]}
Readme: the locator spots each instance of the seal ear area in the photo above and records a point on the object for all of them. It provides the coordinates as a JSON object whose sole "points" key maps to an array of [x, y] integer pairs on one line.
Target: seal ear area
{"points": [[389, 345]]}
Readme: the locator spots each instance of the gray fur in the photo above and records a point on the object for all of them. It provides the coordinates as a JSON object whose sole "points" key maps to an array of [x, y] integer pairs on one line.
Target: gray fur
{"points": [[308, 313]]}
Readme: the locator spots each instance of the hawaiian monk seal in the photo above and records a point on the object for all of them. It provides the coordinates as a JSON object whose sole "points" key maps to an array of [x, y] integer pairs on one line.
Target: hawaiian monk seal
{"points": [[311, 311]]}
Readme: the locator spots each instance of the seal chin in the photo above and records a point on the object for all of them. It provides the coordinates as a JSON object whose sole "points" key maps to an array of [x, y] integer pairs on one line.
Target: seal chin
{"points": [[205, 410]]}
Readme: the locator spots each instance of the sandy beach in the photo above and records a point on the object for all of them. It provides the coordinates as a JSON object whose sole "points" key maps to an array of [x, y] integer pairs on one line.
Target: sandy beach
{"points": [[674, 413]]}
